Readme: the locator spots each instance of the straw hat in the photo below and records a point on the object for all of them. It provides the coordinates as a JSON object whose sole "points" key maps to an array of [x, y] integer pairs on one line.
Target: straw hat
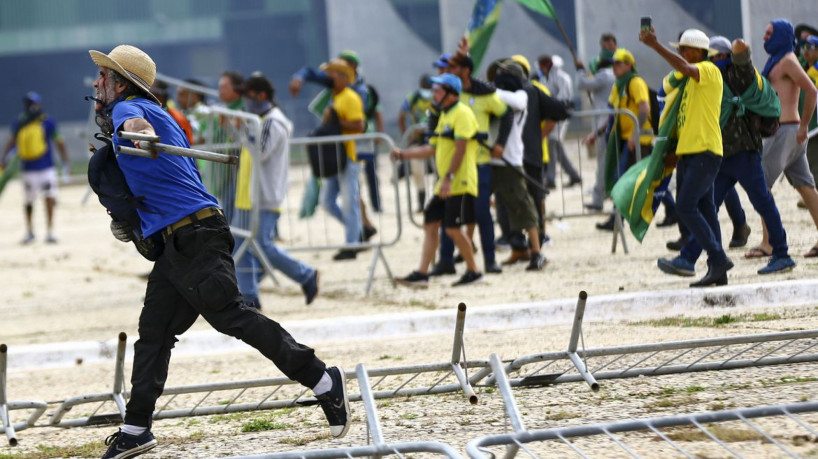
{"points": [[130, 62], [695, 38]]}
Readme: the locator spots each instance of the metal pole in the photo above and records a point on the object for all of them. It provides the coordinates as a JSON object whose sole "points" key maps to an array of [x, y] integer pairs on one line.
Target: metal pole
{"points": [[457, 352], [372, 421], [137, 136], [578, 315], [4, 411], [119, 374], [178, 151]]}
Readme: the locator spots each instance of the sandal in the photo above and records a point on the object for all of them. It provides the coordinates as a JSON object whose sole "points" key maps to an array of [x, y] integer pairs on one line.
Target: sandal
{"points": [[813, 252], [761, 252]]}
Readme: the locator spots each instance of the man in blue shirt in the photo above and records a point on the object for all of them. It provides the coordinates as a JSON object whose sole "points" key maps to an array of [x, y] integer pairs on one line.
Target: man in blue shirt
{"points": [[195, 274]]}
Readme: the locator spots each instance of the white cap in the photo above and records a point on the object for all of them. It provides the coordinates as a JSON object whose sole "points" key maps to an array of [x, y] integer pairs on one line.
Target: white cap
{"points": [[694, 38]]}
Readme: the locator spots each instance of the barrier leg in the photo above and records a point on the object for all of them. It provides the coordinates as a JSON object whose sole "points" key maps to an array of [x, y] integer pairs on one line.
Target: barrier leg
{"points": [[576, 331], [4, 411], [458, 351]]}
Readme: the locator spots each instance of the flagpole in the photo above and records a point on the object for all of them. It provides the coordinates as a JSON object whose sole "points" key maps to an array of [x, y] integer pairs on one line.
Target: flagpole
{"points": [[570, 45]]}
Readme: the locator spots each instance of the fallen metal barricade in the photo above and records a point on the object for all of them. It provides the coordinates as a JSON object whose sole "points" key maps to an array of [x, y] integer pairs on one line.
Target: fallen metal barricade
{"points": [[765, 441], [379, 447], [37, 408], [272, 393]]}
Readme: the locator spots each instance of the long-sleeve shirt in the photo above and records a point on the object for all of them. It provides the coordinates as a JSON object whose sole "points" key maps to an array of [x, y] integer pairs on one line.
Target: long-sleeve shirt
{"points": [[517, 101], [599, 84]]}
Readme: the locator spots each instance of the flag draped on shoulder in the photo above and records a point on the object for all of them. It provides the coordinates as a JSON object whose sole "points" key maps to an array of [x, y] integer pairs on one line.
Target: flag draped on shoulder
{"points": [[484, 19], [636, 193], [759, 98]]}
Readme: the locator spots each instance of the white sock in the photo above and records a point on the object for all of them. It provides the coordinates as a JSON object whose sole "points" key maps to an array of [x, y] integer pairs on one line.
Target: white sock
{"points": [[133, 430], [323, 386]]}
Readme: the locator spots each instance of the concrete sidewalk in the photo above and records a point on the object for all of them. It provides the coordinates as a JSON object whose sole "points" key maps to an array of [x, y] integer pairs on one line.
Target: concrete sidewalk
{"points": [[603, 308]]}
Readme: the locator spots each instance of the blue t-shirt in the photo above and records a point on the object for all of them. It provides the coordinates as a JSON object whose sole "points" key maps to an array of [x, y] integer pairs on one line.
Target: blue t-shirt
{"points": [[45, 161], [170, 185]]}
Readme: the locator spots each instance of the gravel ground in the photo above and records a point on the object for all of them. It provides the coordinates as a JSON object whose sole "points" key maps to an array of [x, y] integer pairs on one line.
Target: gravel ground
{"points": [[87, 287]]}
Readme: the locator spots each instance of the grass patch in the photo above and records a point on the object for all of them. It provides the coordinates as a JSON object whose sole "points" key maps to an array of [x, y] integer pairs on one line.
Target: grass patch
{"points": [[725, 434], [784, 380], [93, 449], [260, 425], [562, 415], [409, 416], [669, 402], [706, 322], [301, 441]]}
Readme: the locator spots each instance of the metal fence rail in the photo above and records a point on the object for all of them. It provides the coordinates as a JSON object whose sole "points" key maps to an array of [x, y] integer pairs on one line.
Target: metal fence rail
{"points": [[379, 447], [769, 437], [456, 375]]}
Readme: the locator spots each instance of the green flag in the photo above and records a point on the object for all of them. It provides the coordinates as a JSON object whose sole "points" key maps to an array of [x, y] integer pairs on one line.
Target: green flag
{"points": [[634, 194], [543, 7]]}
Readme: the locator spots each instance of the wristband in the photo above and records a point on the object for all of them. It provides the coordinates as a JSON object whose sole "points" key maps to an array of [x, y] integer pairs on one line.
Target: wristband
{"points": [[450, 176]]}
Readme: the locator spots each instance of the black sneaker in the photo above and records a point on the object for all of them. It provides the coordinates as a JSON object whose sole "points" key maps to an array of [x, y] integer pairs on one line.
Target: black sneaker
{"points": [[335, 403], [440, 268], [494, 268], [415, 279], [536, 263], [368, 232], [310, 288], [345, 254], [122, 445], [470, 277]]}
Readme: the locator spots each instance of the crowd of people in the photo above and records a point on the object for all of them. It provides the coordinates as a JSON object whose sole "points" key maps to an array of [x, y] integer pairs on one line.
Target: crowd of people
{"points": [[488, 143]]}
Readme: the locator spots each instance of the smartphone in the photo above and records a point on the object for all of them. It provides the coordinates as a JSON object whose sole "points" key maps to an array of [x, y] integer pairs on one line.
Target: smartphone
{"points": [[644, 23]]}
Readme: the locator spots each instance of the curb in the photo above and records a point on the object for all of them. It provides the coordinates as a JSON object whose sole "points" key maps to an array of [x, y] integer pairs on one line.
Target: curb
{"points": [[607, 308]]}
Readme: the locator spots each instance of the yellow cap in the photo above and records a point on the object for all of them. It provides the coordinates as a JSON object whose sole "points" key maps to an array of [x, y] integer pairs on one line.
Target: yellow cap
{"points": [[623, 55], [520, 59]]}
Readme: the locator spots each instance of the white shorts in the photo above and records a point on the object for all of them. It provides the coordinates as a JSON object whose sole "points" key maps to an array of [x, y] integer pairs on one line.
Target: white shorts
{"points": [[40, 182]]}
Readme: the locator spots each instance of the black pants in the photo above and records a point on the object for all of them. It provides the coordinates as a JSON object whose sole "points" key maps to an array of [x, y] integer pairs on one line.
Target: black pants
{"points": [[195, 275]]}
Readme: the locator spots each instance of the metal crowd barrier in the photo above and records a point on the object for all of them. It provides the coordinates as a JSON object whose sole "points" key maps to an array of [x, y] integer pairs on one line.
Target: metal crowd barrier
{"points": [[573, 365], [36, 408], [379, 447], [764, 440]]}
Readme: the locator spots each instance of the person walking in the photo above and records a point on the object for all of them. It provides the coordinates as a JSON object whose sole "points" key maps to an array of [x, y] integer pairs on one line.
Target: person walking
{"points": [[699, 148], [34, 133], [194, 275], [273, 146]]}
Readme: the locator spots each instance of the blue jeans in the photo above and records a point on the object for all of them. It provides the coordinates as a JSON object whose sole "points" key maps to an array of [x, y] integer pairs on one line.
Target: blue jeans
{"points": [[482, 210], [345, 184], [694, 202], [745, 168], [370, 171], [248, 268]]}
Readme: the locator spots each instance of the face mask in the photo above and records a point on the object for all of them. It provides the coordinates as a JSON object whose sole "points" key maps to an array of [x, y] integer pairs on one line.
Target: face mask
{"points": [[722, 63], [258, 107], [425, 93]]}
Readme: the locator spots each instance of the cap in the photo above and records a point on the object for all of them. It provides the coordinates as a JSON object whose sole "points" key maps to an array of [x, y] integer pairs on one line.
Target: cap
{"points": [[811, 42], [442, 62], [447, 79], [694, 38], [33, 98], [520, 59], [340, 65], [350, 56], [623, 55], [721, 45]]}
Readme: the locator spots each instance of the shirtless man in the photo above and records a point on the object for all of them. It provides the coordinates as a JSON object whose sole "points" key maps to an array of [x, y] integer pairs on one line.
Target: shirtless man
{"points": [[786, 150]]}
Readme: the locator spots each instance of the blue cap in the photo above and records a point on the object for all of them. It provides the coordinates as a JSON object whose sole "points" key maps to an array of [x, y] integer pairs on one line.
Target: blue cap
{"points": [[33, 97], [449, 80], [443, 61], [812, 40]]}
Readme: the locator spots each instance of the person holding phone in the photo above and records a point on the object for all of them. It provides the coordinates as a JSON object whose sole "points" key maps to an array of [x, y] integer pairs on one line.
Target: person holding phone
{"points": [[699, 145]]}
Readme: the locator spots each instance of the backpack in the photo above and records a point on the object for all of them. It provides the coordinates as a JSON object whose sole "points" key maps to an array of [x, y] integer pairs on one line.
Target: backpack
{"points": [[655, 109], [372, 101], [108, 182], [31, 142]]}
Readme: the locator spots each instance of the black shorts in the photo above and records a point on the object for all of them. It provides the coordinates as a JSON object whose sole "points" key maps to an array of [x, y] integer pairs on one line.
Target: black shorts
{"points": [[453, 211]]}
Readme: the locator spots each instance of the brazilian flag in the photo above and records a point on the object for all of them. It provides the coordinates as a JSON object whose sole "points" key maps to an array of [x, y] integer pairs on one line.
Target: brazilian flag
{"points": [[484, 19], [635, 193]]}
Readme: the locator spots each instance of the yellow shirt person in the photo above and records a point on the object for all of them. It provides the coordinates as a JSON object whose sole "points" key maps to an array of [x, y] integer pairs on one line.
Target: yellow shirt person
{"points": [[457, 123], [699, 112], [349, 107]]}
